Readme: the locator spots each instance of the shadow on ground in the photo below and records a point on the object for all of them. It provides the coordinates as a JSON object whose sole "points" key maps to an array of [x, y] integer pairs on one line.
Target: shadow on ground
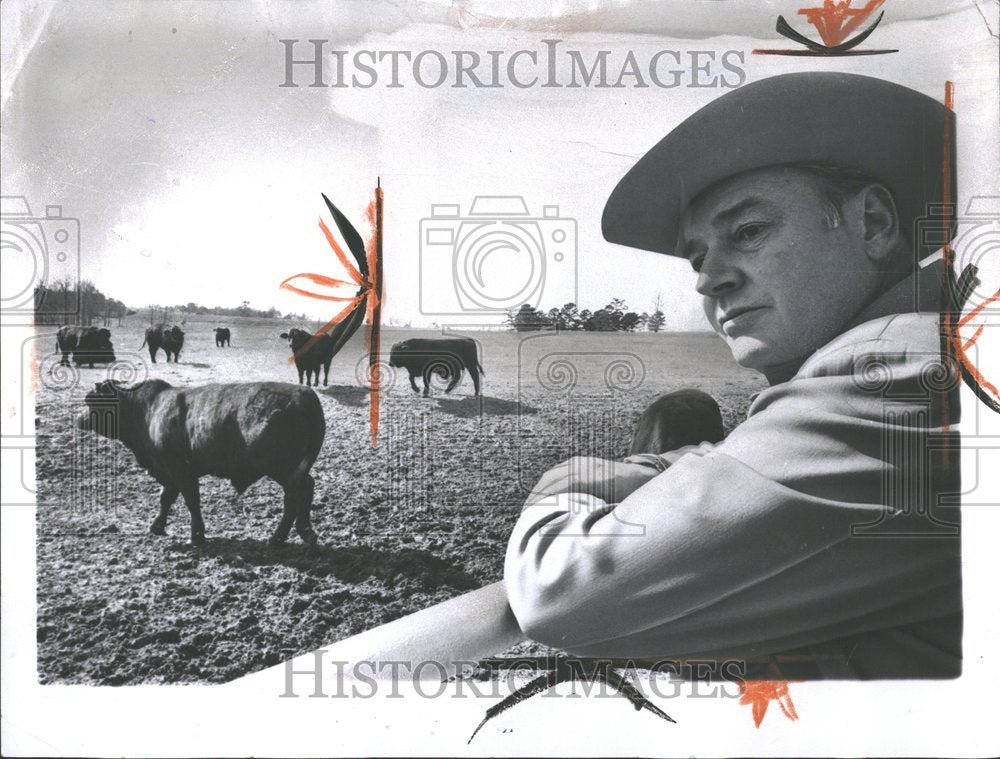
{"points": [[349, 395], [473, 406], [345, 563]]}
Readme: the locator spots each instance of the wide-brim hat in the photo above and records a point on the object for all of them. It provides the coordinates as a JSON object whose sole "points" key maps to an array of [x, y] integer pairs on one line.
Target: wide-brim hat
{"points": [[892, 133]]}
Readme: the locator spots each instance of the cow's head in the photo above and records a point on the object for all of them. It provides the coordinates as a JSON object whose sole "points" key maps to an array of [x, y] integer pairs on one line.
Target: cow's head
{"points": [[95, 348], [296, 338], [173, 337], [397, 352], [102, 414]]}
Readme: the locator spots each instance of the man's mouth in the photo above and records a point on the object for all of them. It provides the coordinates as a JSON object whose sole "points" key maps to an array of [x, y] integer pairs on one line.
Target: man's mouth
{"points": [[734, 318]]}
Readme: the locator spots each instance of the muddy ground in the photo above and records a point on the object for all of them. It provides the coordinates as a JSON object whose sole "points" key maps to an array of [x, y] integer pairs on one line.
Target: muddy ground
{"points": [[421, 518]]}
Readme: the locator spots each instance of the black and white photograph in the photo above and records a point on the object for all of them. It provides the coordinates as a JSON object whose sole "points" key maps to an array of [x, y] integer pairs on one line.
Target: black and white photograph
{"points": [[591, 377]]}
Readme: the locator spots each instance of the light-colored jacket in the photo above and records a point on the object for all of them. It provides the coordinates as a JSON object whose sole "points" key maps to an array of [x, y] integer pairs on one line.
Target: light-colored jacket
{"points": [[816, 527]]}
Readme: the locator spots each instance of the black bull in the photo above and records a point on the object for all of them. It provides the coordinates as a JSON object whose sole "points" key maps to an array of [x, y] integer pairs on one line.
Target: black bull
{"points": [[308, 360], [241, 432], [171, 339], [222, 336], [445, 356], [89, 345]]}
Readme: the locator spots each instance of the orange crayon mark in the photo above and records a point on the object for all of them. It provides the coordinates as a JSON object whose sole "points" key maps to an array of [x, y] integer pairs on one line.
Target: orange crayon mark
{"points": [[946, 256], [351, 270], [836, 21], [373, 249], [369, 293], [318, 279], [760, 693], [961, 347]]}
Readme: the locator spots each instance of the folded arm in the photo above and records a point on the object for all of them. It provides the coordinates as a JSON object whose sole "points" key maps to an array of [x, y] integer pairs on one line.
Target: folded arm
{"points": [[744, 547]]}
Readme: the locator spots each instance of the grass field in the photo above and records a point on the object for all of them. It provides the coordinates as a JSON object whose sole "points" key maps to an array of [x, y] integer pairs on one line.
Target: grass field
{"points": [[419, 519]]}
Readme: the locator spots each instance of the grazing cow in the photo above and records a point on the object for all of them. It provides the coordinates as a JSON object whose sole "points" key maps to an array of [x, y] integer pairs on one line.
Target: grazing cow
{"points": [[240, 432], [171, 339], [89, 345], [445, 356], [222, 335], [309, 361], [683, 417]]}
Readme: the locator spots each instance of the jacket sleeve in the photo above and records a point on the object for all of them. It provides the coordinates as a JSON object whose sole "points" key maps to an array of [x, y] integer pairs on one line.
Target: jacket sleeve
{"points": [[757, 544]]}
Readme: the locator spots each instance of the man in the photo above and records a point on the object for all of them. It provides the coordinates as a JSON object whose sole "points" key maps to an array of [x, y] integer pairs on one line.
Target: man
{"points": [[816, 531]]}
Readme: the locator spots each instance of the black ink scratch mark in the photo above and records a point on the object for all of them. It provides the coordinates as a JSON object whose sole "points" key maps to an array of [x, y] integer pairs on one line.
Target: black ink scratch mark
{"points": [[562, 673]]}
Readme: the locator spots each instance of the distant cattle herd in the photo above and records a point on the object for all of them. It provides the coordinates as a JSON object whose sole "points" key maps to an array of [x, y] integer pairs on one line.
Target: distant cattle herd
{"points": [[246, 431]]}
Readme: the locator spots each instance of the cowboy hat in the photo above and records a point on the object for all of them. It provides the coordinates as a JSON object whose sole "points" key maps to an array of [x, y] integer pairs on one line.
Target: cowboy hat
{"points": [[890, 132]]}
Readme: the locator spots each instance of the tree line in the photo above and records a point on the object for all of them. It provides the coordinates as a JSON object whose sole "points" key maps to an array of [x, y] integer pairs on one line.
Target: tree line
{"points": [[614, 317], [68, 302], [158, 313]]}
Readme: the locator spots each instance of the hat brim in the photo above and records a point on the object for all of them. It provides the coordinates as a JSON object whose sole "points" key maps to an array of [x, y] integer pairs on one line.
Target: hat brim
{"points": [[890, 132]]}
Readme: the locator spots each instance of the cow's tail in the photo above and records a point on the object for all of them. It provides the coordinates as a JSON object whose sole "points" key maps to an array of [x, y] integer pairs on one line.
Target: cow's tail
{"points": [[143, 343]]}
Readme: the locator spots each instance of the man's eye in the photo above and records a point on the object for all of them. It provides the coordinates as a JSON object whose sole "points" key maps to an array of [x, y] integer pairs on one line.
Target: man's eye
{"points": [[750, 232]]}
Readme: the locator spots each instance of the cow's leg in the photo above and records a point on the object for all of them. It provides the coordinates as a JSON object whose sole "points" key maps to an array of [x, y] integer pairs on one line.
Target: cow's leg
{"points": [[152, 354], [303, 498], [474, 373], [456, 377], [413, 384], [168, 494], [427, 383], [192, 497], [326, 373], [280, 535]]}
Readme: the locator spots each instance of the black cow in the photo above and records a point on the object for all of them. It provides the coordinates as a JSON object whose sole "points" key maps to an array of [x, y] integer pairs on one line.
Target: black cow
{"points": [[89, 345], [309, 360], [171, 339], [683, 417], [241, 432], [222, 336], [446, 357]]}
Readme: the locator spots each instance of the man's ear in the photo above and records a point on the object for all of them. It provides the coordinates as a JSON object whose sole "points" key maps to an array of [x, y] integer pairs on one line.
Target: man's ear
{"points": [[881, 223]]}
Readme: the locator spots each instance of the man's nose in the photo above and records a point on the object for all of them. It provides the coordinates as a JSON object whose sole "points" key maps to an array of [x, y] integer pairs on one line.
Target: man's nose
{"points": [[717, 276]]}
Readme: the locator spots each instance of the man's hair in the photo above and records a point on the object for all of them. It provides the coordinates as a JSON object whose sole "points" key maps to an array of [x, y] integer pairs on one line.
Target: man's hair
{"points": [[839, 184]]}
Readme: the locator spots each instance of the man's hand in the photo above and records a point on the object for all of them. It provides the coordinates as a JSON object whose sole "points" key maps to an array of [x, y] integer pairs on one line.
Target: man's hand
{"points": [[611, 481]]}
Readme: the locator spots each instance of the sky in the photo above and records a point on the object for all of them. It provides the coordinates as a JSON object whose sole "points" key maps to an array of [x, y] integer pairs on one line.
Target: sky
{"points": [[196, 177]]}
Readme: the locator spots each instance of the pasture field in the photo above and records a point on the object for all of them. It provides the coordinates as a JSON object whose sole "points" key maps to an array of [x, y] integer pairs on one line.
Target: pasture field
{"points": [[422, 517]]}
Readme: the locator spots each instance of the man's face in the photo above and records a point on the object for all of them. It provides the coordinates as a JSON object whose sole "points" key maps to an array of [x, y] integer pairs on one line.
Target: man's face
{"points": [[780, 276]]}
